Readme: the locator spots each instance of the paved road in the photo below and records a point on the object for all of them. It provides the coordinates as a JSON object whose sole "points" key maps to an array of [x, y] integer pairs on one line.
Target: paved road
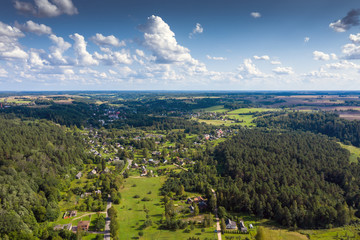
{"points": [[218, 228], [107, 220]]}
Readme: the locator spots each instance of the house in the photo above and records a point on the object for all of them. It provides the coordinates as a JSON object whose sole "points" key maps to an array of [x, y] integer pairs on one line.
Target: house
{"points": [[78, 176], [203, 205], [243, 229], [93, 172], [230, 224], [189, 201], [83, 225], [73, 213], [198, 199], [97, 191], [251, 226], [106, 170]]}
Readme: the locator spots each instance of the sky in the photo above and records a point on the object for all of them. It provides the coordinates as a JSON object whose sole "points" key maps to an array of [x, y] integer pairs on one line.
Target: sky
{"points": [[53, 45]]}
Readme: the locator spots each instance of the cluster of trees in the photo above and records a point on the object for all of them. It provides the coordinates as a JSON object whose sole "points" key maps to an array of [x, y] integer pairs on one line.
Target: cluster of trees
{"points": [[37, 160], [297, 179], [114, 224], [322, 122]]}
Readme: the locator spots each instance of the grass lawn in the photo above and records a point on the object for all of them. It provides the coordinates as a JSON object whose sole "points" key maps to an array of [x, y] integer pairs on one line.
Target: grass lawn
{"points": [[354, 152], [131, 213], [348, 232]]}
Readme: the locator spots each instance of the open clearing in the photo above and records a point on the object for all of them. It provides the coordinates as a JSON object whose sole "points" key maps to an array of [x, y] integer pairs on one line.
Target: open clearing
{"points": [[131, 213], [354, 152]]}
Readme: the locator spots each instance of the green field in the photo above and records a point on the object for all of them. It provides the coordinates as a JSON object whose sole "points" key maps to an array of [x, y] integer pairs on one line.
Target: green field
{"points": [[131, 213], [347, 232], [251, 110], [217, 108], [218, 122], [246, 120], [354, 152]]}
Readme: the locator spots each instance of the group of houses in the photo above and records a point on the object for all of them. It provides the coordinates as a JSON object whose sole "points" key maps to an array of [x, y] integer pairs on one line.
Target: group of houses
{"points": [[231, 225], [82, 225], [200, 201], [69, 214]]}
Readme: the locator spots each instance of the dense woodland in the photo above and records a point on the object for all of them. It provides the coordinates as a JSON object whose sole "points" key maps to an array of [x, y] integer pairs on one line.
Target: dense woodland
{"points": [[37, 160], [325, 123]]}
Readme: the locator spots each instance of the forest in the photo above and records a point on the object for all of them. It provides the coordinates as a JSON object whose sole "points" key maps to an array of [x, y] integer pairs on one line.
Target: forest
{"points": [[37, 160]]}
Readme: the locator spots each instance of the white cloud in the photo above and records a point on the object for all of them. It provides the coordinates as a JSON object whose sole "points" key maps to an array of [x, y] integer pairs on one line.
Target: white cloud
{"points": [[343, 65], [352, 51], [56, 52], [321, 56], [46, 8], [338, 26], [275, 62], [350, 20], [113, 58], [16, 52], [159, 38], [111, 40], [249, 69], [197, 30], [83, 56], [215, 58], [35, 60], [33, 27], [306, 39], [140, 53], [3, 72], [321, 74], [283, 70], [255, 14], [355, 38], [264, 57], [9, 46]]}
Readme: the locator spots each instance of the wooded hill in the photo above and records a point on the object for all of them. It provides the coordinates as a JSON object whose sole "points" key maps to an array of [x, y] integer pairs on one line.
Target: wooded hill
{"points": [[37, 160]]}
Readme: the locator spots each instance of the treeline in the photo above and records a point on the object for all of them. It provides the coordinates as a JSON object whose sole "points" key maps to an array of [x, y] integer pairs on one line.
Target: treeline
{"points": [[297, 179], [322, 122], [37, 160], [76, 114]]}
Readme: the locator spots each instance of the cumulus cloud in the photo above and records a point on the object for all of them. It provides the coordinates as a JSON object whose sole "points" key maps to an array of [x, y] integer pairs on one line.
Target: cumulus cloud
{"points": [[140, 53], [351, 51], [249, 69], [318, 55], [9, 46], [111, 40], [35, 59], [3, 72], [83, 56], [283, 70], [255, 14], [113, 58], [344, 24], [215, 58], [321, 74], [197, 30], [46, 8], [306, 39], [56, 51], [264, 57], [159, 39], [30, 26], [343, 65]]}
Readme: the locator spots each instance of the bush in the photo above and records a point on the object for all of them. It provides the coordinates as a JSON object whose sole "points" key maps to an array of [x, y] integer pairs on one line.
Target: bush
{"points": [[146, 199], [136, 196]]}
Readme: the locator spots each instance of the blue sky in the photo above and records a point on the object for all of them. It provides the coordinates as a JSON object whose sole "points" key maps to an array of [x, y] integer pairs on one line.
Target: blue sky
{"points": [[179, 45]]}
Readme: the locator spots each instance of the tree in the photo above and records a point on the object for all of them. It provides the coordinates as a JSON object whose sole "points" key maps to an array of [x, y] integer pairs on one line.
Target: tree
{"points": [[100, 223], [196, 209]]}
